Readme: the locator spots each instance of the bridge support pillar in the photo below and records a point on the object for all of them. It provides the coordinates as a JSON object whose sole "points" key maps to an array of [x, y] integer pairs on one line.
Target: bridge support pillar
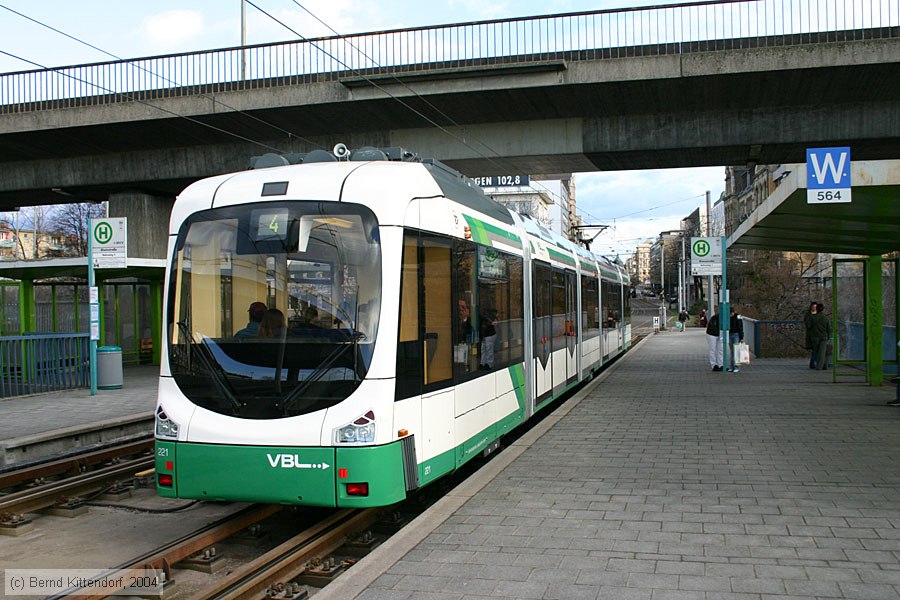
{"points": [[148, 220]]}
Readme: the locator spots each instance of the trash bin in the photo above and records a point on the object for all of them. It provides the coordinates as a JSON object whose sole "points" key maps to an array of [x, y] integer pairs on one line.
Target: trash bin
{"points": [[109, 368]]}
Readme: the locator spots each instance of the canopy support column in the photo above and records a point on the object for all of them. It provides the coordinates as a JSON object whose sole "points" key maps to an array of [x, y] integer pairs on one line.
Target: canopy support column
{"points": [[27, 318], [156, 319], [874, 321]]}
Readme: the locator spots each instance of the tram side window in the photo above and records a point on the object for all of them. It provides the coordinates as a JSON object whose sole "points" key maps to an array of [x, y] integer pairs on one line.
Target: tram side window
{"points": [[409, 351], [466, 349], [438, 343], [500, 309], [612, 303], [590, 307], [425, 343], [541, 312], [560, 322], [628, 308], [516, 319], [461, 312]]}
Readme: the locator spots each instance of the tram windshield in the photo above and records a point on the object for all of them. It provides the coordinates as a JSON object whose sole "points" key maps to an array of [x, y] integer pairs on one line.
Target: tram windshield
{"points": [[273, 307]]}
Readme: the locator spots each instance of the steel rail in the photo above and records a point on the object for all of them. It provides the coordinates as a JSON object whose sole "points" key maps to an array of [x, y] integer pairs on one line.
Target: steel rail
{"points": [[289, 559], [72, 464], [161, 559], [48, 494]]}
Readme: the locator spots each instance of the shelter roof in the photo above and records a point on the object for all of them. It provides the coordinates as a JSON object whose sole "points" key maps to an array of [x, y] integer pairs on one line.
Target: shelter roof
{"points": [[868, 225], [30, 270]]}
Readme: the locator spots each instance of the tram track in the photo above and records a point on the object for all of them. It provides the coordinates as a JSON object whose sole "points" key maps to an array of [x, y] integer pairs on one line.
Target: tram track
{"points": [[286, 561], [274, 569], [77, 476], [48, 494]]}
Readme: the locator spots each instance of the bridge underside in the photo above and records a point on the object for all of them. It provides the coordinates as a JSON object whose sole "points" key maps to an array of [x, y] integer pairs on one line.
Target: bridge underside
{"points": [[760, 105]]}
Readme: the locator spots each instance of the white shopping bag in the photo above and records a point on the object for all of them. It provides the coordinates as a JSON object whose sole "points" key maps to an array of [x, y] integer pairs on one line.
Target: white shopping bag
{"points": [[741, 354]]}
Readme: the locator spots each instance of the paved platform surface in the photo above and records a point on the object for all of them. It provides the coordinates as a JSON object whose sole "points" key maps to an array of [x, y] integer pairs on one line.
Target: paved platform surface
{"points": [[667, 481], [58, 411]]}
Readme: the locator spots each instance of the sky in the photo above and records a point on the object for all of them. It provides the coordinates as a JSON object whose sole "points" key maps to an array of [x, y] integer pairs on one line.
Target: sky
{"points": [[635, 204]]}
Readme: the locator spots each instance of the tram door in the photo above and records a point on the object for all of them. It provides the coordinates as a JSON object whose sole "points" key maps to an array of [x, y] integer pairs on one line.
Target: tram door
{"points": [[560, 331], [542, 331], [572, 325], [564, 361]]}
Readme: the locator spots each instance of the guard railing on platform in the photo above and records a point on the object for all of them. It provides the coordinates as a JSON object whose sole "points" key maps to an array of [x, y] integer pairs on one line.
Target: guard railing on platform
{"points": [[43, 362], [706, 26], [775, 339]]}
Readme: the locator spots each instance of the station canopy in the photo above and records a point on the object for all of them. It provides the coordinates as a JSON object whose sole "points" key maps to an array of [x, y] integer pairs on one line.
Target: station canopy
{"points": [[868, 225], [31, 270]]}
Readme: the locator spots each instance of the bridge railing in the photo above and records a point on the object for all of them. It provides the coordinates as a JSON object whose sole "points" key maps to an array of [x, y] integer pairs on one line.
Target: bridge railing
{"points": [[646, 31], [43, 362]]}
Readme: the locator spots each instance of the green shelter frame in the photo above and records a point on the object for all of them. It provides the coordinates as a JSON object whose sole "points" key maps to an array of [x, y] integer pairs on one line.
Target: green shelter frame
{"points": [[130, 301], [866, 229], [876, 356]]}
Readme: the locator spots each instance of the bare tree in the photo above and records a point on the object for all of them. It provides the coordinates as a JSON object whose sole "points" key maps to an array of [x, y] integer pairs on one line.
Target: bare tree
{"points": [[17, 222], [71, 221], [29, 227], [777, 285]]}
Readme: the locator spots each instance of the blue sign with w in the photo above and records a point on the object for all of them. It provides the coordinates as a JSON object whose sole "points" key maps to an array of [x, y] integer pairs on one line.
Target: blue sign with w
{"points": [[828, 175]]}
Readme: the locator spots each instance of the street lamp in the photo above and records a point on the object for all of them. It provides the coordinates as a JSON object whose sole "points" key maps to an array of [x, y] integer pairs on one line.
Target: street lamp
{"points": [[681, 278]]}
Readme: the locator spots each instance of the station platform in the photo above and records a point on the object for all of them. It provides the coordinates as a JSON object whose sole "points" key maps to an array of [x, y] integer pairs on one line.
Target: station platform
{"points": [[664, 480], [32, 427]]}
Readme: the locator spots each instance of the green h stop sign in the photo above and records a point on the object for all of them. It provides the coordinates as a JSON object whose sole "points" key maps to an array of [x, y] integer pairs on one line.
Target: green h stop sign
{"points": [[701, 248], [103, 232]]}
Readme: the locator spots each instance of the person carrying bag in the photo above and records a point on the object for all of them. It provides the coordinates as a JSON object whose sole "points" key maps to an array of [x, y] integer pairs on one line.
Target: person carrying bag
{"points": [[736, 335]]}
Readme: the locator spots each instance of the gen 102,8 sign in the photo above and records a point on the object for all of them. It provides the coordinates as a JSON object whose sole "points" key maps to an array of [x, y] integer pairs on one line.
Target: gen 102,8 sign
{"points": [[503, 180], [827, 175], [706, 256]]}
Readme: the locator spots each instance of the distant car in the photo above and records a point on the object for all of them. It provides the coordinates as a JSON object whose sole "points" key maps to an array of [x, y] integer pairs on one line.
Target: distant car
{"points": [[649, 294], [672, 298]]}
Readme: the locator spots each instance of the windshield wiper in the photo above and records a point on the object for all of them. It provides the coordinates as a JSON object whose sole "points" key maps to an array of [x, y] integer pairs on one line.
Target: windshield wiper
{"points": [[316, 375], [211, 367]]}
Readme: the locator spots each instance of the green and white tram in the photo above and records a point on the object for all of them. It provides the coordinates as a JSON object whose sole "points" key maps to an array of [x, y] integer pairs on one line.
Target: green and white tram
{"points": [[341, 332]]}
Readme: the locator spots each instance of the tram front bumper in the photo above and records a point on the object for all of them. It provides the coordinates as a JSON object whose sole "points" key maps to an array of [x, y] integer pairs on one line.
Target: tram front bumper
{"points": [[311, 476]]}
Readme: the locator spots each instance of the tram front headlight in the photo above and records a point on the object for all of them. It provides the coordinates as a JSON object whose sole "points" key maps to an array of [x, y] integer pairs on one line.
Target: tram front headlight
{"points": [[360, 431], [165, 427]]}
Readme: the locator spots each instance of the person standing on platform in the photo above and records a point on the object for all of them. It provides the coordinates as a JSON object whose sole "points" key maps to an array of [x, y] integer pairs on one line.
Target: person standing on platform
{"points": [[714, 341], [806, 318], [819, 334], [736, 335], [683, 317]]}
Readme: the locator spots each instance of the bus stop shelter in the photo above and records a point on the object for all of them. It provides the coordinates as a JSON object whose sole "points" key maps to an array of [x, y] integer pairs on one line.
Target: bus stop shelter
{"points": [[45, 319], [867, 230]]}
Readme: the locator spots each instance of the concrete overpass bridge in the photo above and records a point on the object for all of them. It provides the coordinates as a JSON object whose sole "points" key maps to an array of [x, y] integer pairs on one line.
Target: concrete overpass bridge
{"points": [[707, 83]]}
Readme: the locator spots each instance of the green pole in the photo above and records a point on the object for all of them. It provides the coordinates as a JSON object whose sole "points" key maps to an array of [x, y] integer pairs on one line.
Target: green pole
{"points": [[27, 320], [874, 321], [724, 311], [156, 319], [53, 307]]}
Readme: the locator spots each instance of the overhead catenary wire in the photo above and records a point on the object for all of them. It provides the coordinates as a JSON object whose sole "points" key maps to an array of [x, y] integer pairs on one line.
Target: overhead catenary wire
{"points": [[163, 77], [139, 101], [496, 160], [219, 101]]}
